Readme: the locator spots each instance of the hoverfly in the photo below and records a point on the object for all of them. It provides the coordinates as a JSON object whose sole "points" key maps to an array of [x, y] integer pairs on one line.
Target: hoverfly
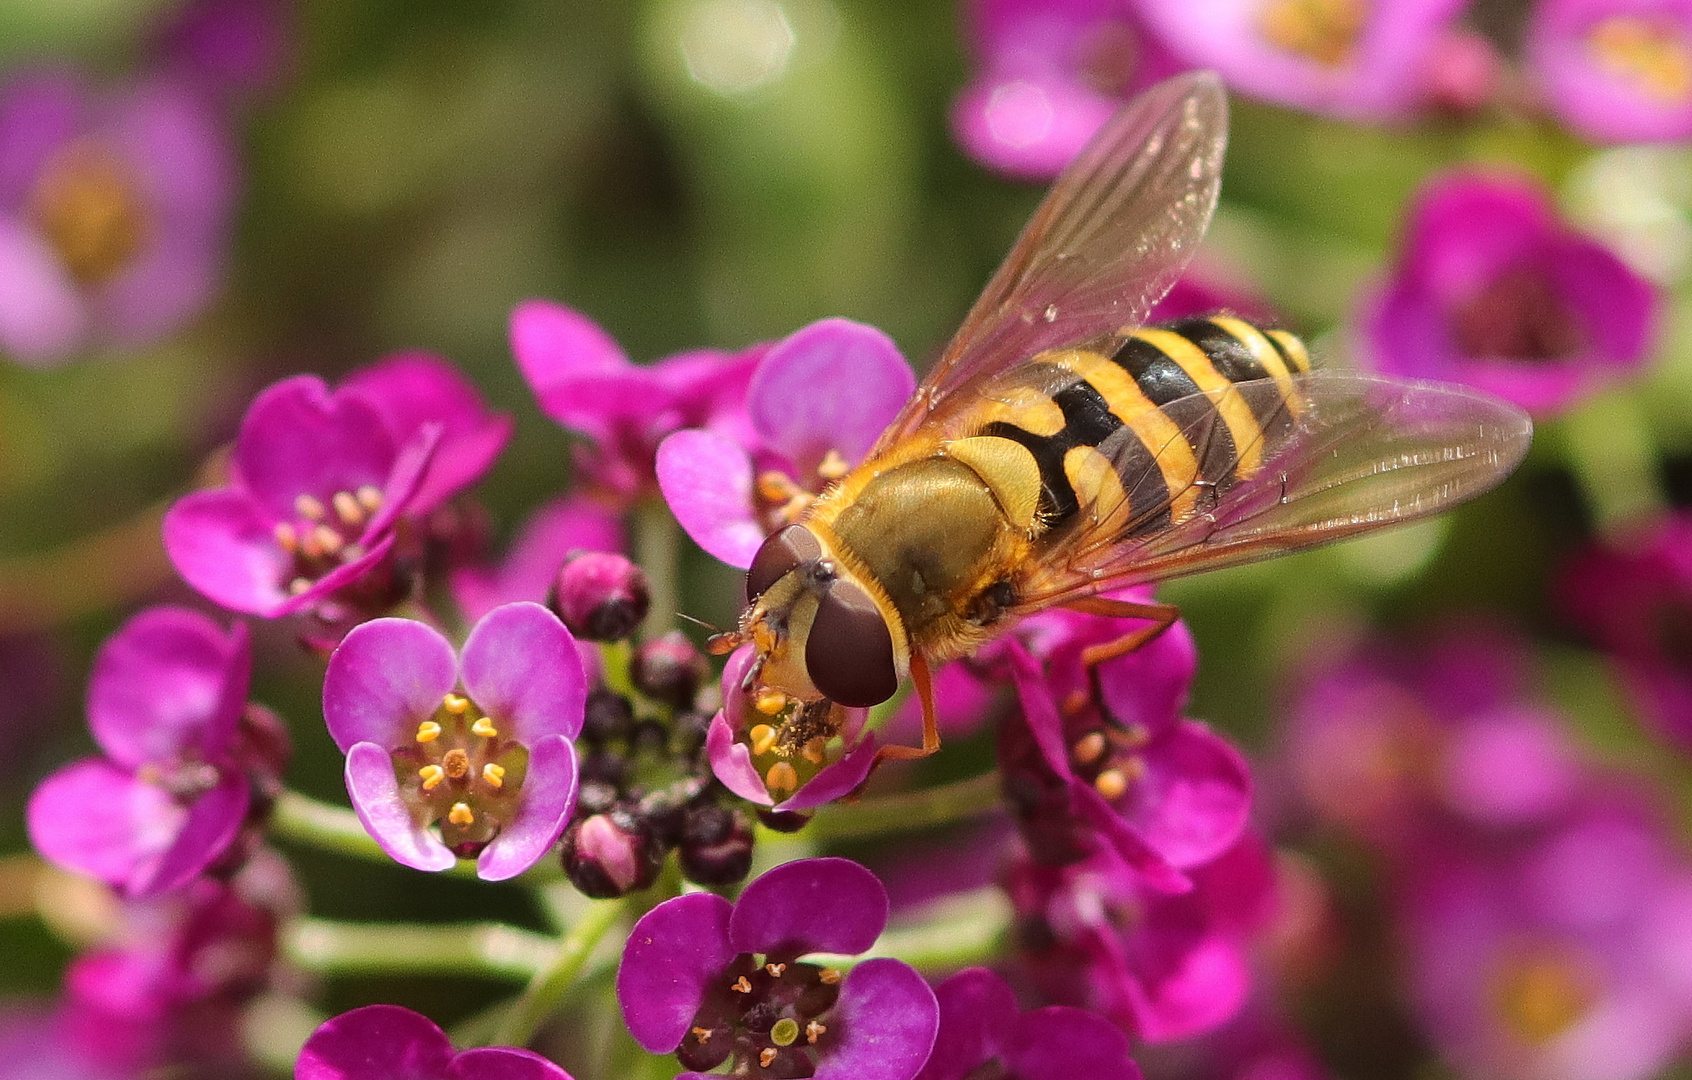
{"points": [[1059, 450]]}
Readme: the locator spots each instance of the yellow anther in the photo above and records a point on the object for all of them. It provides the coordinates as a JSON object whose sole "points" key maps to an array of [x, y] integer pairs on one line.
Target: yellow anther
{"points": [[369, 496], [781, 778], [777, 487], [1132, 768], [1133, 736], [286, 538], [309, 507], [428, 731], [1089, 747], [432, 776], [813, 1030], [742, 985], [485, 728], [298, 586], [766, 1055], [769, 701], [327, 540], [828, 976], [352, 553], [833, 466], [1653, 57], [815, 750], [454, 704], [494, 775], [702, 1034], [347, 508], [1111, 784], [763, 738], [460, 814], [775, 969]]}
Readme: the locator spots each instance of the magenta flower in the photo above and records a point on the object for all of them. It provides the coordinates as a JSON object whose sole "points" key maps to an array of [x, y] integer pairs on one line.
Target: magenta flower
{"points": [[1343, 58], [749, 759], [114, 213], [479, 749], [716, 982], [1120, 769], [1561, 955], [1493, 290], [1049, 73], [584, 381], [165, 704], [234, 48], [1635, 599], [530, 568], [1161, 966], [981, 1028], [321, 482], [387, 1042], [817, 401], [1616, 70]]}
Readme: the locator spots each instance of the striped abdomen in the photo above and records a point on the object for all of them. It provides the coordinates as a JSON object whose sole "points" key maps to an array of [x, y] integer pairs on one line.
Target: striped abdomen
{"points": [[1148, 421]]}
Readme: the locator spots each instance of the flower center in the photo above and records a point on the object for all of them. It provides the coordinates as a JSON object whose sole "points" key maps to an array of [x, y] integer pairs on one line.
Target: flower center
{"points": [[325, 536], [783, 500], [461, 774], [88, 205], [771, 1017], [797, 741], [1651, 55], [1518, 316], [1325, 31], [1109, 757], [1540, 993], [1110, 57]]}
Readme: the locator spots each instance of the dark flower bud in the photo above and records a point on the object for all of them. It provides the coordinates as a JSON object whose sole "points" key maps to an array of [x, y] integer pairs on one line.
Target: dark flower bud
{"points": [[784, 821], [263, 750], [601, 596], [596, 797], [716, 846], [611, 855], [609, 716], [666, 810], [670, 669], [604, 767], [690, 728]]}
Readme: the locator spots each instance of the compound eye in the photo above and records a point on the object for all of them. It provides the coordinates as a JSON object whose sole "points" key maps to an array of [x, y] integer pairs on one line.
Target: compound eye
{"points": [[783, 551], [849, 652]]}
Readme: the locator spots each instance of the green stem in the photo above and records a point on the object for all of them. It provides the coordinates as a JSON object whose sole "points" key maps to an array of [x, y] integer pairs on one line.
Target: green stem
{"points": [[549, 985], [1607, 445], [943, 805], [657, 547], [965, 929], [308, 822], [336, 948]]}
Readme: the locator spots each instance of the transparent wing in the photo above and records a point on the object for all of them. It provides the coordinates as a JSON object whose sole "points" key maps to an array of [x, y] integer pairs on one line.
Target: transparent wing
{"points": [[1107, 242], [1347, 455]]}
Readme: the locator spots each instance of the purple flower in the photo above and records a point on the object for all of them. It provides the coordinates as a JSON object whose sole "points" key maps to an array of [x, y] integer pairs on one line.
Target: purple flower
{"points": [[1344, 58], [746, 752], [1161, 966], [114, 213], [1616, 70], [386, 1042], [1049, 73], [713, 981], [980, 1025], [234, 48], [165, 704], [1493, 290], [1635, 598], [478, 747], [817, 401], [585, 382], [1108, 761], [1559, 955], [531, 566], [321, 482]]}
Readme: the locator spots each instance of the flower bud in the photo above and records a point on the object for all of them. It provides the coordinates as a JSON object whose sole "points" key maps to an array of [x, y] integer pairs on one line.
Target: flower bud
{"points": [[784, 821], [716, 846], [669, 669], [601, 596], [611, 855], [609, 716]]}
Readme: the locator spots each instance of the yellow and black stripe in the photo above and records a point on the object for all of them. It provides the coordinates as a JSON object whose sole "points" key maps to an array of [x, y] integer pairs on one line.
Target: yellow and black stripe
{"points": [[1171, 386]]}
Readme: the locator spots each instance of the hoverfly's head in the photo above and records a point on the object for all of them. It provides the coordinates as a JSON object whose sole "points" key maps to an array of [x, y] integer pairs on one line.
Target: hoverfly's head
{"points": [[822, 630]]}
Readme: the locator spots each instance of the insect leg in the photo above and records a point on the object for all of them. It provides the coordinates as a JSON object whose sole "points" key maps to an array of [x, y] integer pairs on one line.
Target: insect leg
{"points": [[930, 723], [1162, 617]]}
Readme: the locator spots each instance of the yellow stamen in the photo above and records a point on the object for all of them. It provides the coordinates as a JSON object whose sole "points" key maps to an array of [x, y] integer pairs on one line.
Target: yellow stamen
{"points": [[327, 540], [763, 738], [1111, 784], [1089, 747], [309, 507], [815, 750], [775, 969], [766, 1055], [742, 985], [286, 538], [493, 775], [777, 487], [298, 586], [347, 508], [828, 976], [1325, 31], [1650, 55], [432, 776], [812, 1030], [781, 778], [702, 1034], [87, 204], [369, 497], [833, 466], [485, 728], [769, 701], [428, 731], [454, 704], [460, 814]]}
